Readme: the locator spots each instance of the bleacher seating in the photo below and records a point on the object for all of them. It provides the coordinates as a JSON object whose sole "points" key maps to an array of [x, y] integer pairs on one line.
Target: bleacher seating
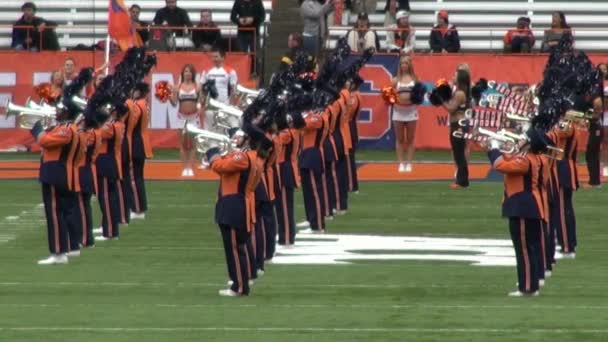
{"points": [[85, 21], [482, 24]]}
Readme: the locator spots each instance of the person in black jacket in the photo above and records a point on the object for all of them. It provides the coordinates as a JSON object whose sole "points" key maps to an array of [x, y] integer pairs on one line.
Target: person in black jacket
{"points": [[248, 15], [444, 36], [141, 26], [36, 37], [171, 15], [209, 36]]}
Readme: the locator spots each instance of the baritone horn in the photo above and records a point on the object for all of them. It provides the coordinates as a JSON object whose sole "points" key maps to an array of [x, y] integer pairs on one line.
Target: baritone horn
{"points": [[27, 117], [245, 96], [206, 140], [224, 116], [508, 143]]}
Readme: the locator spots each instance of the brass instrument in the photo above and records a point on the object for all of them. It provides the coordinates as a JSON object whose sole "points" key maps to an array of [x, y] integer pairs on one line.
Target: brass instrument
{"points": [[206, 140], [224, 116], [572, 117], [508, 144], [245, 96], [27, 117]]}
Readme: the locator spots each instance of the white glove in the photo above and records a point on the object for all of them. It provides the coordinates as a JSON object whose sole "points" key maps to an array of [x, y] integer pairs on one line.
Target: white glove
{"points": [[494, 144]]}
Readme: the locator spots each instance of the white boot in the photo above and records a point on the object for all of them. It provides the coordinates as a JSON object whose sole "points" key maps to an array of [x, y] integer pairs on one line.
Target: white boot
{"points": [[138, 216], [229, 293], [74, 253], [303, 224], [54, 259]]}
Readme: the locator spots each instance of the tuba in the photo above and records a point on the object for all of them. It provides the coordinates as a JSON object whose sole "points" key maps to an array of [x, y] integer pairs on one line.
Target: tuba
{"points": [[224, 116], [27, 117], [206, 140], [245, 96]]}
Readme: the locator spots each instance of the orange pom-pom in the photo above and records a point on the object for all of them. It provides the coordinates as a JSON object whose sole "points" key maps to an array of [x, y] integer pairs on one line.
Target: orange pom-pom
{"points": [[162, 91], [45, 92], [389, 95], [441, 82]]}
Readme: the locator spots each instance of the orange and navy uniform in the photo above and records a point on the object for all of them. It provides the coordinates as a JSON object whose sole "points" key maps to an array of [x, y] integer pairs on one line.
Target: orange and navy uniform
{"points": [[109, 173], [59, 148], [547, 239], [353, 106], [287, 146], [86, 184], [524, 207], [265, 224], [311, 164], [566, 181], [235, 211], [125, 185], [141, 149]]}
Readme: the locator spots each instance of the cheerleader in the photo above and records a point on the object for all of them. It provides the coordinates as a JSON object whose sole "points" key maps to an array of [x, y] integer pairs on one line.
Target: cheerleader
{"points": [[405, 114], [456, 107], [187, 97]]}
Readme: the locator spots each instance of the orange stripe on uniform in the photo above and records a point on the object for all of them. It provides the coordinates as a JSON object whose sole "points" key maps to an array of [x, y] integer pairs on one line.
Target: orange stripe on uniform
{"points": [[237, 261], [336, 187], [524, 249], [285, 216], [350, 173], [121, 202], [562, 214], [83, 219], [315, 194], [55, 219], [107, 205], [134, 189]]}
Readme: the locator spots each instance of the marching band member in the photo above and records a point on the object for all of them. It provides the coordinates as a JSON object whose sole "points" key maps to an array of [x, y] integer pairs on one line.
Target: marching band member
{"points": [[331, 192], [354, 105], [523, 207], [109, 174], [288, 180], [89, 144], [187, 96], [234, 212], [141, 149], [59, 147], [342, 140], [125, 192], [456, 107], [311, 162]]}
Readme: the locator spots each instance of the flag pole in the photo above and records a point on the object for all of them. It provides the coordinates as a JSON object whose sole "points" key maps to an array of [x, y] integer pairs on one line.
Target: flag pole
{"points": [[107, 54]]}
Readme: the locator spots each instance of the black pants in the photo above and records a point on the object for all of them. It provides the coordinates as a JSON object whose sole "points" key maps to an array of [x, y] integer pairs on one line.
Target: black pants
{"points": [[314, 200], [593, 153], [58, 204], [286, 223], [139, 200], [331, 188], [353, 179], [85, 218], [549, 233], [267, 230], [566, 231], [234, 247], [246, 42], [525, 234], [458, 152], [250, 248], [109, 203], [125, 196], [341, 174]]}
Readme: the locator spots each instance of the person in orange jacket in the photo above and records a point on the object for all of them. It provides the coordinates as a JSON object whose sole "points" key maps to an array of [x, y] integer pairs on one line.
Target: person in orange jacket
{"points": [[59, 147], [523, 206], [353, 108], [235, 210]]}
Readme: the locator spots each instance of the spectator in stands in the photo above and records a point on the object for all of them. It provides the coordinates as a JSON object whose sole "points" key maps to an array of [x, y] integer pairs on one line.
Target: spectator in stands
{"points": [[140, 26], [444, 36], [35, 37], [520, 39], [364, 6], [341, 13], [391, 9], [403, 37], [361, 37], [559, 29], [248, 15], [313, 13], [295, 45], [209, 35], [171, 15], [69, 70]]}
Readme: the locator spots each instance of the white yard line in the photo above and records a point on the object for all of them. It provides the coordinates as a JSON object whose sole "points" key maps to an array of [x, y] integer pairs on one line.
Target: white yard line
{"points": [[315, 306], [12, 225], [305, 329], [283, 285]]}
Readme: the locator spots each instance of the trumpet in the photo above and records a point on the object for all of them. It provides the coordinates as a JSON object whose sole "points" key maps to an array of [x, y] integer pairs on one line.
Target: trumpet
{"points": [[245, 96], [224, 116], [206, 140], [572, 117], [508, 142], [27, 117]]}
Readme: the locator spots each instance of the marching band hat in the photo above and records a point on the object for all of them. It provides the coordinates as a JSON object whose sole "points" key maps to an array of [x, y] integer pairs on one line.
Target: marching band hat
{"points": [[143, 88], [538, 140]]}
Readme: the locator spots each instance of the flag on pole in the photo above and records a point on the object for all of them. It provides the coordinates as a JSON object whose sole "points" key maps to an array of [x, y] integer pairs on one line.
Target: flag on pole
{"points": [[120, 27]]}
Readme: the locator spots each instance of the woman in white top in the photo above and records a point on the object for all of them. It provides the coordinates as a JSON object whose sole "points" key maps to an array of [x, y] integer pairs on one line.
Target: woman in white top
{"points": [[405, 114], [402, 36], [187, 96]]}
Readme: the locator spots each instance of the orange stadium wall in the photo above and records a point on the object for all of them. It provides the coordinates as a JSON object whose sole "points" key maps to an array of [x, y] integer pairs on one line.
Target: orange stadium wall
{"points": [[19, 72]]}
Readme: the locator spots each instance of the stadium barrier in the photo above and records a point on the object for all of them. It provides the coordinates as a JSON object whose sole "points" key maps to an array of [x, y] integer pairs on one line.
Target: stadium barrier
{"points": [[21, 71]]}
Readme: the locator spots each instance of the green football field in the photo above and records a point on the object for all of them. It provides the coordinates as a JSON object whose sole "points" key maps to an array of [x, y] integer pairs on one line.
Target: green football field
{"points": [[159, 282]]}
